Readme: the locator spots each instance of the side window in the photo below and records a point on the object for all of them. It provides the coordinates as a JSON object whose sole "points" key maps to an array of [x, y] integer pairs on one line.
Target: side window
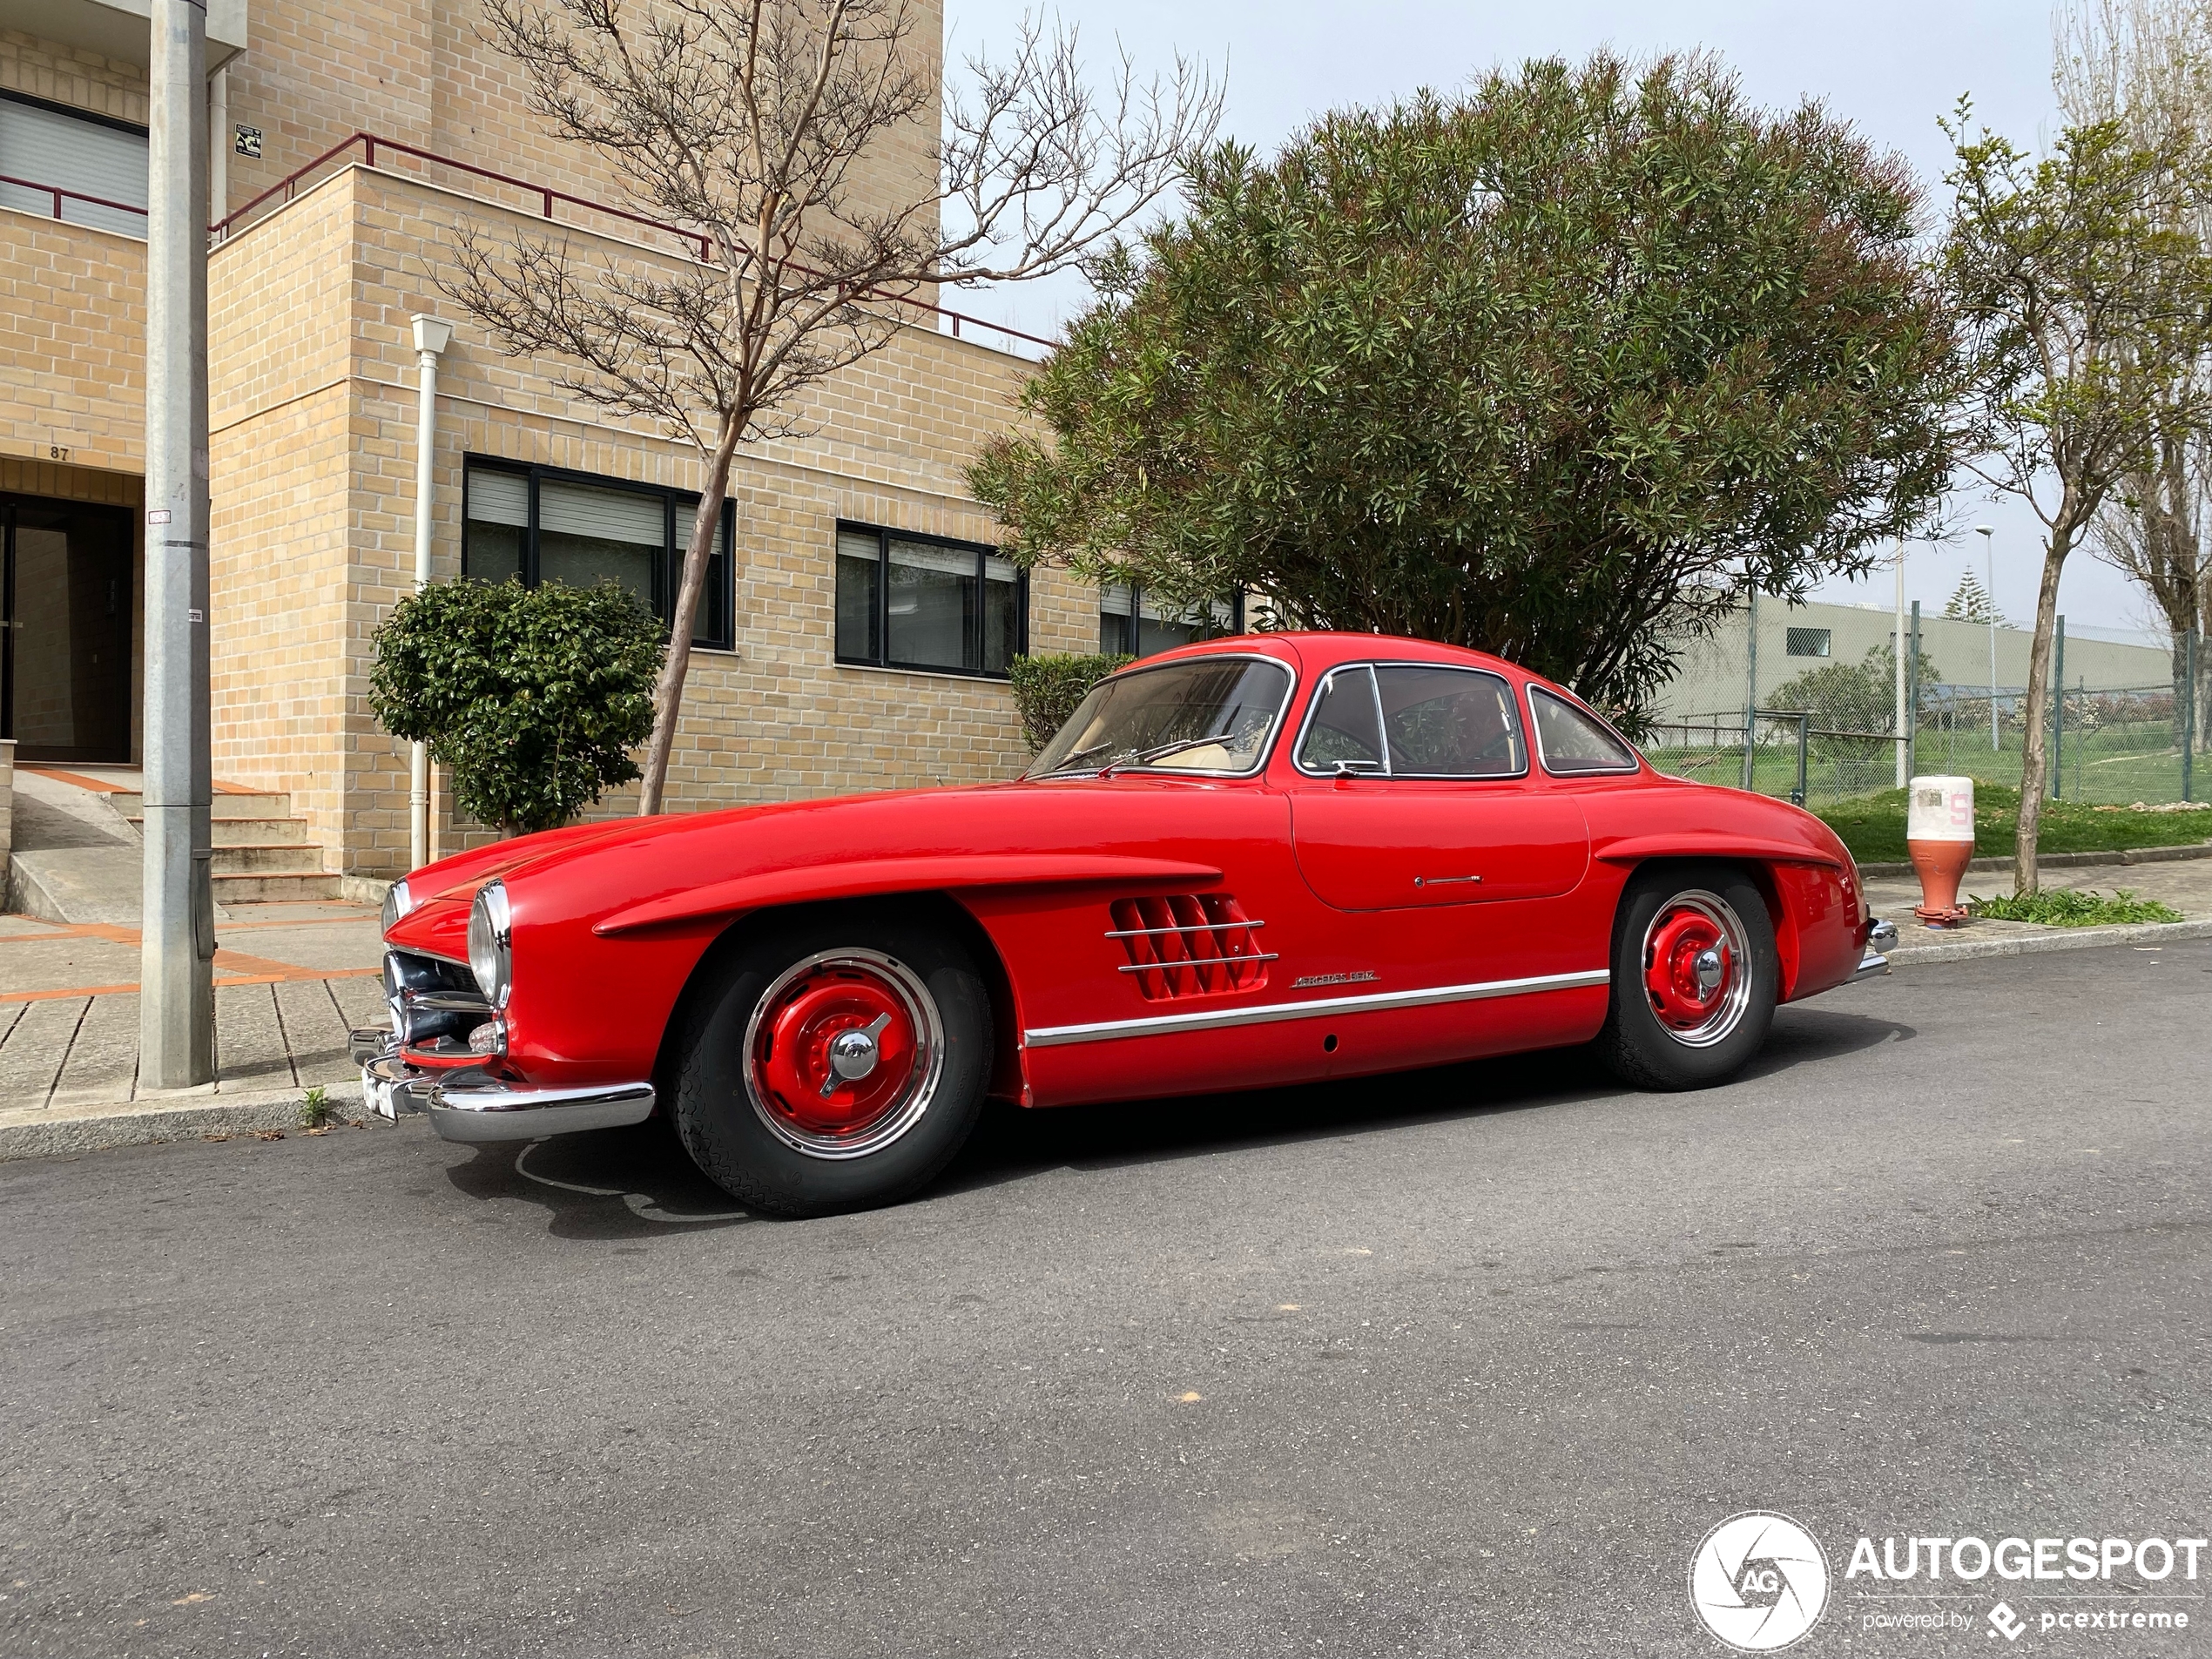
{"points": [[1450, 723], [1573, 742], [1345, 726]]}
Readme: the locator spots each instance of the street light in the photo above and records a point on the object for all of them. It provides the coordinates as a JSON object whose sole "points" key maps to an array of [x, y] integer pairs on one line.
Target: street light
{"points": [[1987, 532]]}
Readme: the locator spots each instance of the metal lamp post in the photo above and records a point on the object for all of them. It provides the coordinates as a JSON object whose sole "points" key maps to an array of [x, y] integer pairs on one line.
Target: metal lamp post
{"points": [[1987, 533]]}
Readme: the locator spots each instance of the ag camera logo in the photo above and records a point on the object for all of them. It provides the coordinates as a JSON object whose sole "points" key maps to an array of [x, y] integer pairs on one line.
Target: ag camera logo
{"points": [[1759, 1581]]}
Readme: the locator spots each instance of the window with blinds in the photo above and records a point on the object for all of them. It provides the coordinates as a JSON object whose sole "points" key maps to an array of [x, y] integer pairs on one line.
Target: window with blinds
{"points": [[922, 602], [1131, 623], [61, 148], [536, 524]]}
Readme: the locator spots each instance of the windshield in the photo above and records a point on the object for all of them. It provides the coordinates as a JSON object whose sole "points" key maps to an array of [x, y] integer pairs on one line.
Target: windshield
{"points": [[1209, 715]]}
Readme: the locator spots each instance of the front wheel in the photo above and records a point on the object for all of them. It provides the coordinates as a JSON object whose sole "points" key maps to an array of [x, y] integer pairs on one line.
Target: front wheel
{"points": [[833, 1063], [1695, 977]]}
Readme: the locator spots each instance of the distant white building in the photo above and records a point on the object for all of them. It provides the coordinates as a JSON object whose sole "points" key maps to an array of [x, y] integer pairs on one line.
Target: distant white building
{"points": [[1717, 673]]}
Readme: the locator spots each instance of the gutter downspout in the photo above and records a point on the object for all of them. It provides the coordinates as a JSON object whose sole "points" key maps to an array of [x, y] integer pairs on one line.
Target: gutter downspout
{"points": [[219, 146], [431, 338]]}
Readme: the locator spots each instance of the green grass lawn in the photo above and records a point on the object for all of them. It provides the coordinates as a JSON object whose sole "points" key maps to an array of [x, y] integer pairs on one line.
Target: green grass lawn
{"points": [[1873, 825]]}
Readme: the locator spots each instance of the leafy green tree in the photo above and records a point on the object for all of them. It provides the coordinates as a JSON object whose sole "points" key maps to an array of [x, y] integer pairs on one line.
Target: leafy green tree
{"points": [[1555, 370], [534, 696], [2084, 296], [1852, 697]]}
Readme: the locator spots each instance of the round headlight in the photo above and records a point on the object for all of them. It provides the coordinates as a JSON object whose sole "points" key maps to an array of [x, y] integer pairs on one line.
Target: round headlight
{"points": [[490, 958], [397, 902]]}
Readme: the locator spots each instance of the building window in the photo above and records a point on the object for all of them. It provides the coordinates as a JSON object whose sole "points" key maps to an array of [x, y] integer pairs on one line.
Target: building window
{"points": [[1806, 642], [919, 602], [543, 524], [1131, 623], [93, 155]]}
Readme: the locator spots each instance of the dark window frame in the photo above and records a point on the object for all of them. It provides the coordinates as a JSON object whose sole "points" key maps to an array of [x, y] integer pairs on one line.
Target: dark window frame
{"points": [[677, 507], [884, 536], [1136, 623]]}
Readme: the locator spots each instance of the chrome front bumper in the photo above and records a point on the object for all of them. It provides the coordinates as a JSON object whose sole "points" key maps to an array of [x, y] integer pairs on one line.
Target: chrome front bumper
{"points": [[1880, 937], [469, 1107]]}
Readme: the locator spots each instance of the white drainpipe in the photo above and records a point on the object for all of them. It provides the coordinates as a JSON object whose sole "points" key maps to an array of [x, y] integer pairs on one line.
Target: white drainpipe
{"points": [[431, 338], [218, 145]]}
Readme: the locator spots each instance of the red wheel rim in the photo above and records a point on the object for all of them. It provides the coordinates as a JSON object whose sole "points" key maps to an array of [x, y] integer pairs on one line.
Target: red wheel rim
{"points": [[1697, 969], [843, 1053]]}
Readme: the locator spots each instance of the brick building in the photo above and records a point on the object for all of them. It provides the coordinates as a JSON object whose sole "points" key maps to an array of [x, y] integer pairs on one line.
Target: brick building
{"points": [[857, 640]]}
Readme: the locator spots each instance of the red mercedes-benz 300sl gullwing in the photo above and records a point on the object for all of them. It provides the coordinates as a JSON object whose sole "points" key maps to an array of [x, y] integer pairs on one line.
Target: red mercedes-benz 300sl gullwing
{"points": [[1254, 861]]}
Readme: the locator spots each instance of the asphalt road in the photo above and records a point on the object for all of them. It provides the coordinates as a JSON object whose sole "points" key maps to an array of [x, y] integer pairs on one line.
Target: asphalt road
{"points": [[1465, 1362]]}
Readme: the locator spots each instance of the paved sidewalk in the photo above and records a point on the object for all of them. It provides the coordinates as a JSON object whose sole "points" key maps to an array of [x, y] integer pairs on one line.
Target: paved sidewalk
{"points": [[291, 980], [2185, 885]]}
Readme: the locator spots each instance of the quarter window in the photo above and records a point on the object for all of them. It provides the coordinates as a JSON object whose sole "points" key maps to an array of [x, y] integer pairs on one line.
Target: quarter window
{"points": [[539, 525], [919, 602], [1573, 741]]}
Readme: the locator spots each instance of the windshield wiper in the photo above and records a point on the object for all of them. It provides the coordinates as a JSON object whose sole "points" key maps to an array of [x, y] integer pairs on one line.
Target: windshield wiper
{"points": [[1066, 761], [1161, 751]]}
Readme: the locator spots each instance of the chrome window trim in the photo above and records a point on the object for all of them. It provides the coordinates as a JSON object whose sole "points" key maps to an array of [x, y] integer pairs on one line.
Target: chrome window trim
{"points": [[1053, 1036], [1536, 738], [1313, 705], [1274, 723]]}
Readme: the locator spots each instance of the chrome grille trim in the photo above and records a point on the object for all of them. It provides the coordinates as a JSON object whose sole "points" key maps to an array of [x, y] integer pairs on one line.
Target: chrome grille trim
{"points": [[1193, 928], [1053, 1036], [1202, 962]]}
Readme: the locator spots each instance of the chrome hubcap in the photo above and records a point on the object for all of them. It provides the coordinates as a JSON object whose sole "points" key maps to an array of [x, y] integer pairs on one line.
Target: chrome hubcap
{"points": [[1698, 969], [843, 1053]]}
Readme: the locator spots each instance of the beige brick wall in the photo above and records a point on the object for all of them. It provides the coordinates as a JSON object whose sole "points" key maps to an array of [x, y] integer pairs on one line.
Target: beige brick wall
{"points": [[64, 75], [314, 468], [72, 344]]}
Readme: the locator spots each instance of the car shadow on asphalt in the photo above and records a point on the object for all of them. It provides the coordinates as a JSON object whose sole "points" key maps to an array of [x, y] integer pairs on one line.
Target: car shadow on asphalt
{"points": [[637, 1183]]}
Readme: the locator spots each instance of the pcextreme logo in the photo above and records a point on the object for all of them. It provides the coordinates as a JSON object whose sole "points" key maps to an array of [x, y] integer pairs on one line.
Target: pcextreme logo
{"points": [[1759, 1581]]}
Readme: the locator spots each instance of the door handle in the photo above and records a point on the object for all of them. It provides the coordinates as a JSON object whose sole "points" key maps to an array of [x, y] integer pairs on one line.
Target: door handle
{"points": [[1442, 881]]}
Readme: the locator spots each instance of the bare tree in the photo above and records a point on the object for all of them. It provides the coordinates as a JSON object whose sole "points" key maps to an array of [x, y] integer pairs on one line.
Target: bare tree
{"points": [[759, 128], [2147, 64]]}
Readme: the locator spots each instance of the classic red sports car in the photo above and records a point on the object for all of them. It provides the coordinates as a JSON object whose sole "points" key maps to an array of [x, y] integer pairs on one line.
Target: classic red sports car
{"points": [[1254, 861]]}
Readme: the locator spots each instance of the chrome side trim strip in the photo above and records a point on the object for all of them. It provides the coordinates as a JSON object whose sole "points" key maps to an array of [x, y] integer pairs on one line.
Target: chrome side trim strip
{"points": [[1052, 1036], [1193, 928]]}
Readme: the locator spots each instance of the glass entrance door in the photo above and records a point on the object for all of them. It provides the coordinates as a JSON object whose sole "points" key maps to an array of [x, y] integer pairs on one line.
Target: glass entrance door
{"points": [[65, 651]]}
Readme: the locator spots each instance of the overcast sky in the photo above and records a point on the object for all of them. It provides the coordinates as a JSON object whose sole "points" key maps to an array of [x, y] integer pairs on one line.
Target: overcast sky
{"points": [[1892, 67]]}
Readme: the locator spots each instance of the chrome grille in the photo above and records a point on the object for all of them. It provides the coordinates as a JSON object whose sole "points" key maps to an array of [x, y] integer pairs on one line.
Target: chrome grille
{"points": [[1188, 944]]}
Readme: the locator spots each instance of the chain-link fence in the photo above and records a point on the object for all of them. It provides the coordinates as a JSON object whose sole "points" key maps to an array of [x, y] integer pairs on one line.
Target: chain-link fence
{"points": [[1829, 732]]}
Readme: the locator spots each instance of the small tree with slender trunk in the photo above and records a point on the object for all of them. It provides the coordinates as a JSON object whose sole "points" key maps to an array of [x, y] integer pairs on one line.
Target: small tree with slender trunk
{"points": [[2084, 300], [2147, 64], [759, 129]]}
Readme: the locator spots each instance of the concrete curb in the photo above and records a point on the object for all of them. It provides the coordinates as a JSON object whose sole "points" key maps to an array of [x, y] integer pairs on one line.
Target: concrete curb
{"points": [[37, 1133], [2134, 932], [2066, 860]]}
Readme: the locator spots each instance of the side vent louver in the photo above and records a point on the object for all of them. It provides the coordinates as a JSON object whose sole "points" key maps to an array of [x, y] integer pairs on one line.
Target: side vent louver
{"points": [[1190, 944]]}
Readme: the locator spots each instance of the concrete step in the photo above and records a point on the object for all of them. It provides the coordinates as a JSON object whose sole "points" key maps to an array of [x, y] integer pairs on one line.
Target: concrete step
{"points": [[257, 889], [131, 805], [283, 858], [249, 832]]}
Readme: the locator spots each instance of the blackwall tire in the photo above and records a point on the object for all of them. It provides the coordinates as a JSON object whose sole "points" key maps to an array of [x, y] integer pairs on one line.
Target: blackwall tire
{"points": [[1673, 1023], [833, 1063]]}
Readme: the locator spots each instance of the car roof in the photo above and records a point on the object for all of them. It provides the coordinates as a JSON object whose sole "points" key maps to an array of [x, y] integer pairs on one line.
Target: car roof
{"points": [[1317, 652]]}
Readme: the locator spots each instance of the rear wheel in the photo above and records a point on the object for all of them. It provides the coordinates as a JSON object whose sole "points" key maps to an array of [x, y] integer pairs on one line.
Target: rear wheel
{"points": [[1695, 978], [833, 1063]]}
